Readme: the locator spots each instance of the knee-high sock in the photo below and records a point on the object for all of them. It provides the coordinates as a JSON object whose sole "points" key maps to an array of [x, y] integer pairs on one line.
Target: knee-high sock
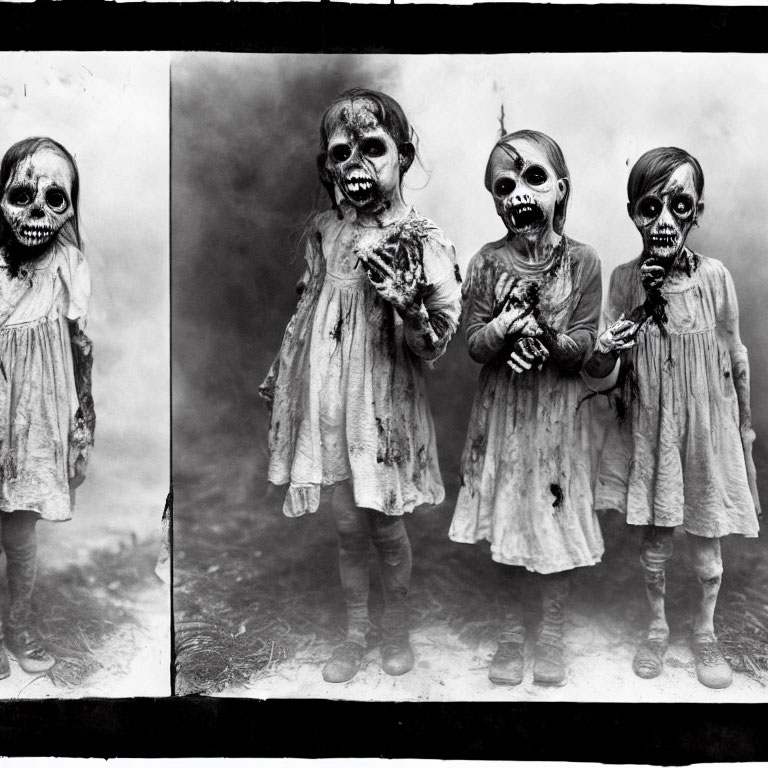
{"points": [[20, 544], [508, 583], [708, 564], [655, 550], [394, 554], [354, 550], [555, 588]]}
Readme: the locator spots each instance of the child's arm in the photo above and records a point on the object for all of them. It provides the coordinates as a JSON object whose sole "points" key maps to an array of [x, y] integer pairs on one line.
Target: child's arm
{"points": [[429, 326], [728, 329], [569, 350], [266, 389], [601, 371], [486, 328]]}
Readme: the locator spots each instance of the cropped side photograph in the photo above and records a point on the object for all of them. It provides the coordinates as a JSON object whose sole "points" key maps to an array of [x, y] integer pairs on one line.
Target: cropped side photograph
{"points": [[85, 385], [466, 372]]}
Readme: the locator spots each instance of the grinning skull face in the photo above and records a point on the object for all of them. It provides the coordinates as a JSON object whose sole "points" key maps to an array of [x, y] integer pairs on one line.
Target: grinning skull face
{"points": [[362, 159], [525, 188], [664, 216], [37, 201]]}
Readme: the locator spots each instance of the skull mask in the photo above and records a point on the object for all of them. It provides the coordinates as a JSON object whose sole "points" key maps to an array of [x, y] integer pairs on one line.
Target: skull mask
{"points": [[525, 188], [37, 200], [362, 159], [664, 216]]}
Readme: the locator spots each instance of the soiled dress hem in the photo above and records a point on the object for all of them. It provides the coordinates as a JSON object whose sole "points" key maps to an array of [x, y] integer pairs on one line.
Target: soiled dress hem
{"points": [[531, 565], [292, 510]]}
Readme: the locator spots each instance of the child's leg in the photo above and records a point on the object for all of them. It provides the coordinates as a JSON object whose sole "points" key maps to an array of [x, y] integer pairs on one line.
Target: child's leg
{"points": [[549, 664], [394, 553], [508, 662], [712, 668], [354, 548], [655, 550], [20, 544]]}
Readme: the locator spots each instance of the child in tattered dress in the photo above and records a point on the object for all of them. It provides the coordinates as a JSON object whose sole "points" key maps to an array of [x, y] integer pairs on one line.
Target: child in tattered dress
{"points": [[532, 304], [46, 407], [349, 409], [680, 454]]}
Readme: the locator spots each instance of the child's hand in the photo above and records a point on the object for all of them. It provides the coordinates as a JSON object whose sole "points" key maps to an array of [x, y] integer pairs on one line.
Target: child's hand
{"points": [[617, 336], [396, 271], [526, 353], [518, 321], [518, 300], [652, 274]]}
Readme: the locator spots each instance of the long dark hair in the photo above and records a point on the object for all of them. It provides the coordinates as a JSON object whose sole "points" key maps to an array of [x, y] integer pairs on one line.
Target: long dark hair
{"points": [[24, 148]]}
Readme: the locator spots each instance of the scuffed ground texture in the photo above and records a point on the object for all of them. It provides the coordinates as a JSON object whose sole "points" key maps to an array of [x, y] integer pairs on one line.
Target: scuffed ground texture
{"points": [[258, 606]]}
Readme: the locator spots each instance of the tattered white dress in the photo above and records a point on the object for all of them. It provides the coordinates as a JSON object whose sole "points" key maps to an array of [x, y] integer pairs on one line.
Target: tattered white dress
{"points": [[349, 400], [678, 459], [38, 400], [526, 468]]}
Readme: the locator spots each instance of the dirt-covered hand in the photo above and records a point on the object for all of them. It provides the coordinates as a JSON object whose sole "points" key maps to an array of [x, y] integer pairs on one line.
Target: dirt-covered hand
{"points": [[527, 353], [652, 274], [396, 270], [516, 306], [617, 336]]}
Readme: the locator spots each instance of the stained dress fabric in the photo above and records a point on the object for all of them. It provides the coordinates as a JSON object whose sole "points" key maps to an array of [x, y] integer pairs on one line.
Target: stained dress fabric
{"points": [[678, 459], [38, 400], [526, 466], [349, 395]]}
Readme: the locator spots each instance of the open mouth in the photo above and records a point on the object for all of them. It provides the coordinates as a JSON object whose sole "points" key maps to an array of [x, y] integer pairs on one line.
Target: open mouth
{"points": [[663, 242], [525, 215], [35, 235], [359, 189]]}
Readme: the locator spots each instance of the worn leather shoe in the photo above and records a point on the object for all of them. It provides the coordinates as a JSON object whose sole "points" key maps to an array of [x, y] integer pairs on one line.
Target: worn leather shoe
{"points": [[5, 666], [345, 662], [396, 656], [28, 650], [712, 667], [507, 665], [649, 659], [549, 662]]}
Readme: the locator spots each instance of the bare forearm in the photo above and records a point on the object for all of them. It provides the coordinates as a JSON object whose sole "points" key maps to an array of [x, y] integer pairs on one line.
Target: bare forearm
{"points": [[740, 369]]}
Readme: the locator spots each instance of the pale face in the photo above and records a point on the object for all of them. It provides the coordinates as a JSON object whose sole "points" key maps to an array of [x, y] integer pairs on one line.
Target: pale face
{"points": [[525, 188], [664, 216], [362, 158], [37, 200]]}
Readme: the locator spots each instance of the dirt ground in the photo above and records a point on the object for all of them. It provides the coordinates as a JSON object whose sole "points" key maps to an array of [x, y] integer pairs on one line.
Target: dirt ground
{"points": [[258, 609], [99, 605]]}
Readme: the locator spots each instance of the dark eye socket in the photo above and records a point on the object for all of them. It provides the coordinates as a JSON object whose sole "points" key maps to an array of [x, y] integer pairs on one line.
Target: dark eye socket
{"points": [[374, 148], [535, 175], [340, 152], [56, 199], [682, 205], [21, 196], [504, 187], [650, 206]]}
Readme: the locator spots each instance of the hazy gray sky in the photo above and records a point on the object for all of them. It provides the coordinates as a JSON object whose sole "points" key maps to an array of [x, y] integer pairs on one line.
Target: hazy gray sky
{"points": [[111, 111]]}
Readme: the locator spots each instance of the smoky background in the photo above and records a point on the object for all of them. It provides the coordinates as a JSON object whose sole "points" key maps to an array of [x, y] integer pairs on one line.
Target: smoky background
{"points": [[245, 136], [245, 139], [110, 110], [102, 608]]}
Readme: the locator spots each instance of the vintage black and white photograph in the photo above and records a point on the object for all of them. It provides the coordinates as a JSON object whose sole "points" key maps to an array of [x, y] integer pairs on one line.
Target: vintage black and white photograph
{"points": [[85, 362], [467, 364]]}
